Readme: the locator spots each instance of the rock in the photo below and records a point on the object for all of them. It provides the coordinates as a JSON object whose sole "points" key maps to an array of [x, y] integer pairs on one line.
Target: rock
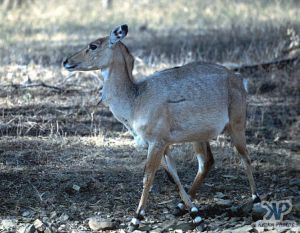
{"points": [[235, 210], [178, 231], [294, 182], [8, 224], [53, 228], [76, 187], [200, 227], [247, 207], [145, 227], [275, 178], [220, 195], [27, 228], [39, 225], [63, 218], [246, 228], [47, 230], [170, 216], [282, 229], [296, 204], [45, 219], [156, 230], [226, 231], [168, 224], [223, 202], [258, 212], [259, 229], [28, 214], [53, 215], [184, 226], [61, 228], [97, 223], [234, 221]]}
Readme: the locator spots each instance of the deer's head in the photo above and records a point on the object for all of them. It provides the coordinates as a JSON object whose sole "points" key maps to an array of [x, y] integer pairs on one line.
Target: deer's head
{"points": [[98, 54]]}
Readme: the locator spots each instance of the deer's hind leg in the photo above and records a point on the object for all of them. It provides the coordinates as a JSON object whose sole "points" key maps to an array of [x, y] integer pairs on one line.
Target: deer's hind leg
{"points": [[164, 165], [205, 162], [237, 128], [169, 164], [239, 140]]}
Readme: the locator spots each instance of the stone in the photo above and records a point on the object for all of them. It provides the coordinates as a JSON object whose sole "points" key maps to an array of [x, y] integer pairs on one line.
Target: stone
{"points": [[53, 228], [282, 229], [39, 225], [47, 230], [178, 231], [98, 223], [26, 228], [296, 204], [246, 228], [259, 229], [168, 224], [220, 195], [247, 207], [156, 230], [184, 226], [226, 231], [76, 187], [8, 224], [294, 182], [200, 228], [63, 217], [53, 214], [145, 227], [258, 212], [235, 220], [223, 202], [28, 214]]}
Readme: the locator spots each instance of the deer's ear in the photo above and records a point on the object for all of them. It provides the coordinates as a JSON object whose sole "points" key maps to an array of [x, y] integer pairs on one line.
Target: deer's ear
{"points": [[118, 34]]}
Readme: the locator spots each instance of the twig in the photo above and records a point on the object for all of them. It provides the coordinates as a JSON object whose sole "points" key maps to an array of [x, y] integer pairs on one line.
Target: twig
{"points": [[37, 192], [280, 64], [40, 84]]}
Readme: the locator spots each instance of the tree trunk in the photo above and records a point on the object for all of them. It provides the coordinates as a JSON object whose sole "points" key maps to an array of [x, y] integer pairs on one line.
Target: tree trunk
{"points": [[13, 4], [107, 4]]}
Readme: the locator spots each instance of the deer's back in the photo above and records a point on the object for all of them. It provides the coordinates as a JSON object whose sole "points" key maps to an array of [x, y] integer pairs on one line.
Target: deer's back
{"points": [[200, 84]]}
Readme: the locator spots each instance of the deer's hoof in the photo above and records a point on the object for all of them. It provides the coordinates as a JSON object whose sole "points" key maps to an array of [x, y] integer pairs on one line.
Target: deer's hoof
{"points": [[256, 198], [133, 225], [197, 219], [180, 210]]}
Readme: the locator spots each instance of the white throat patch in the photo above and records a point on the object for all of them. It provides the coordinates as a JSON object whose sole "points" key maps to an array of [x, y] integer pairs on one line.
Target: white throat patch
{"points": [[105, 73]]}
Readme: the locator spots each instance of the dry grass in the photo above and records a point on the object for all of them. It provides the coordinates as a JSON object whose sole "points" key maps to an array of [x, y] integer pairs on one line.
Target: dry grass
{"points": [[243, 31]]}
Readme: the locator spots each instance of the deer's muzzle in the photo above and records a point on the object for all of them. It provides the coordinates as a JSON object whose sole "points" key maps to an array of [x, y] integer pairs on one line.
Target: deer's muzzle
{"points": [[68, 66]]}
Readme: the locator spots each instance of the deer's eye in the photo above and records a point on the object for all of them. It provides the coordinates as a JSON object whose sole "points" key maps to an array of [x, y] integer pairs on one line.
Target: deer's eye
{"points": [[92, 46]]}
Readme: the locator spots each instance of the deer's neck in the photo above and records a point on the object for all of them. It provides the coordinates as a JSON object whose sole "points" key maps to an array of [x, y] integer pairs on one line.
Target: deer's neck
{"points": [[119, 91]]}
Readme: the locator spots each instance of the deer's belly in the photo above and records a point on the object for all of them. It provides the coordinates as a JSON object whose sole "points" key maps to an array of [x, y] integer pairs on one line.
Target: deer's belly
{"points": [[201, 128]]}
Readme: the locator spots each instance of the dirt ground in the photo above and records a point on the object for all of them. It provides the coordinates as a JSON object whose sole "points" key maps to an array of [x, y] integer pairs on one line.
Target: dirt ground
{"points": [[64, 162], [65, 159]]}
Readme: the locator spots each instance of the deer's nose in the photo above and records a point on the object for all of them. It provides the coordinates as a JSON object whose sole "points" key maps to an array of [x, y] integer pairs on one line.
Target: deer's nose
{"points": [[65, 62]]}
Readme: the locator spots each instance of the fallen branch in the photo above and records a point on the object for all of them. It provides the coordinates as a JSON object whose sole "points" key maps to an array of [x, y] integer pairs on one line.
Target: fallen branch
{"points": [[55, 88], [39, 84], [280, 64]]}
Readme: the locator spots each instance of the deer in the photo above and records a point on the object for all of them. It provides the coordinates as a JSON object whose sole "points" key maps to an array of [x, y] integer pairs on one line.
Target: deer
{"points": [[192, 103]]}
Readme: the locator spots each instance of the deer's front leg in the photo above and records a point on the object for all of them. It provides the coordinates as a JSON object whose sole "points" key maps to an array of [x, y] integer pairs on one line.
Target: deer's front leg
{"points": [[155, 152]]}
